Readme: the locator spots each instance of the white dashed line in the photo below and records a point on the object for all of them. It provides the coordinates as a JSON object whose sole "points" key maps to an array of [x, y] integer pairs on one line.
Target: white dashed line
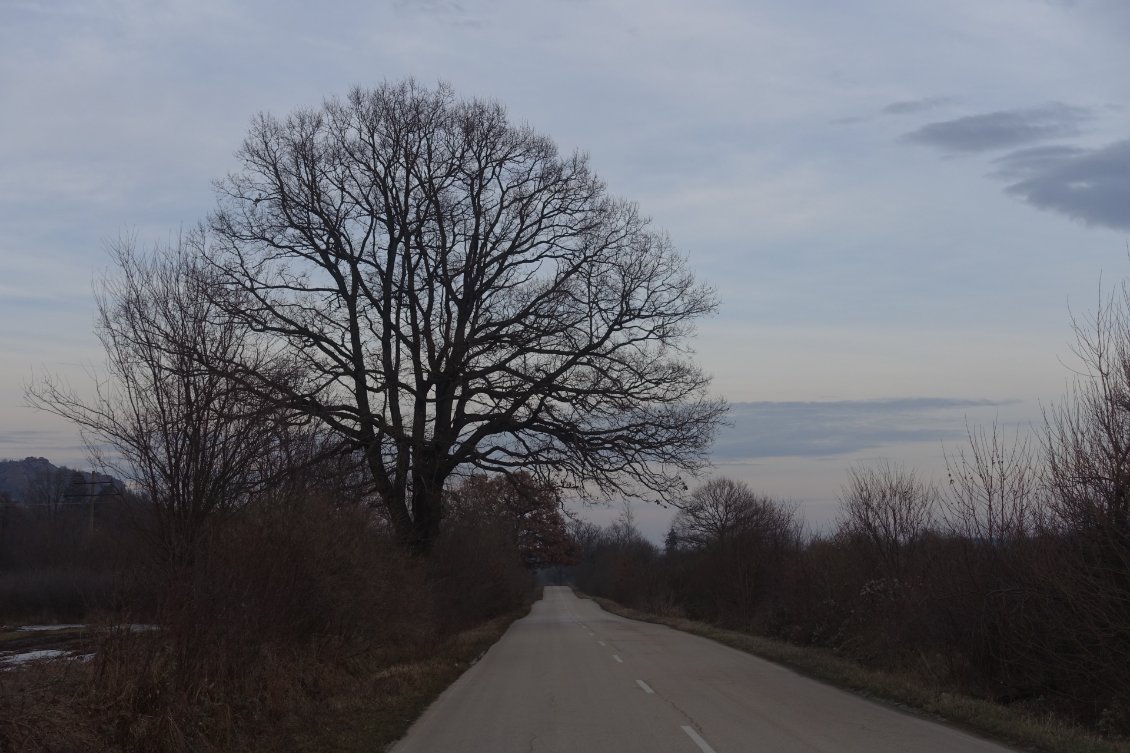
{"points": [[602, 643], [645, 686], [697, 739], [617, 658]]}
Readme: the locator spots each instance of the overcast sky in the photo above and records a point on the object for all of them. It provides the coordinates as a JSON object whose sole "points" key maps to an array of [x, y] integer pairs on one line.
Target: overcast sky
{"points": [[899, 202]]}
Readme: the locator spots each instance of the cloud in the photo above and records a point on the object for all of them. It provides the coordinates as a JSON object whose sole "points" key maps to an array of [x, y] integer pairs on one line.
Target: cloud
{"points": [[452, 13], [914, 106], [1089, 185], [824, 429], [1025, 163], [23, 437], [1005, 129]]}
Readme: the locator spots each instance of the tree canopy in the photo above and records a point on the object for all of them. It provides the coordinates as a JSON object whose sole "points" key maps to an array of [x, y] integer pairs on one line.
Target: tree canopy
{"points": [[444, 289]]}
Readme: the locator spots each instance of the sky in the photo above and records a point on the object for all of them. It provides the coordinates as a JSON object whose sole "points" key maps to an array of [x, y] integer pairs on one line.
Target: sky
{"points": [[901, 205]]}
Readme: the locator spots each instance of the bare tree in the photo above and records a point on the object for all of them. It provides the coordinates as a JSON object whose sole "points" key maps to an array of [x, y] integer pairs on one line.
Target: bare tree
{"points": [[460, 294], [722, 508], [47, 490], [995, 490], [1087, 450], [732, 550], [1087, 437], [186, 437], [888, 509]]}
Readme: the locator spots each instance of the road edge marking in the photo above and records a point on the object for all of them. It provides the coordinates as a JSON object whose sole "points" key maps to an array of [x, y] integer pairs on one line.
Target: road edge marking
{"points": [[617, 658], [645, 686]]}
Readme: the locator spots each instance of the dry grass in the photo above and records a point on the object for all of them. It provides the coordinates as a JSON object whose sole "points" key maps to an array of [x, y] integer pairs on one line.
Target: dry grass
{"points": [[392, 697], [908, 692], [312, 701]]}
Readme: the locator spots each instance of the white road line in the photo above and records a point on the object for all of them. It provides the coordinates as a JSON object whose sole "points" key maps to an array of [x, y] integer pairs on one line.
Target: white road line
{"points": [[602, 643], [617, 658], [697, 739], [645, 686]]}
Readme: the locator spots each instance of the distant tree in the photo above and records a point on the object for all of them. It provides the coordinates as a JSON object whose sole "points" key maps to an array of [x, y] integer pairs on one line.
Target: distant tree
{"points": [[721, 509], [731, 548], [459, 294], [47, 489], [619, 562], [528, 508], [995, 491], [8, 511], [888, 510]]}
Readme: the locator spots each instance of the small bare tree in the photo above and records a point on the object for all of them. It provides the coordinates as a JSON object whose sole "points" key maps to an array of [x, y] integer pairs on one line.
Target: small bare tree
{"points": [[995, 490], [888, 509], [189, 439]]}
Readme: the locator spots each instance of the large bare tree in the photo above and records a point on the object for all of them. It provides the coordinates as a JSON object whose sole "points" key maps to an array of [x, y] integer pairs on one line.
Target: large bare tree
{"points": [[459, 294]]}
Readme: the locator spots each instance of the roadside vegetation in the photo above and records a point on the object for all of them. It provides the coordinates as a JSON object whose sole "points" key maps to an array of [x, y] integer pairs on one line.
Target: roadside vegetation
{"points": [[1025, 728], [299, 626], [999, 599]]}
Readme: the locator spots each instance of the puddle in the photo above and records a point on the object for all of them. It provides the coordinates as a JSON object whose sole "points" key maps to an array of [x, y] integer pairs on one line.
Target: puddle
{"points": [[24, 657]]}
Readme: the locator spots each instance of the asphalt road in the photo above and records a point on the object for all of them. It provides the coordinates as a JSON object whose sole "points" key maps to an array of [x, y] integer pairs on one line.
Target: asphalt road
{"points": [[572, 678]]}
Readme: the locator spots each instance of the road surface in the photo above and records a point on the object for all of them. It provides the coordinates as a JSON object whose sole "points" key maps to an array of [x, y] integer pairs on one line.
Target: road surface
{"points": [[572, 678]]}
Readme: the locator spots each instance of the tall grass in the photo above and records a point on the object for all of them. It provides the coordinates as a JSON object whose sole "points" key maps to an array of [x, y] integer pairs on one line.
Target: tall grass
{"points": [[288, 617]]}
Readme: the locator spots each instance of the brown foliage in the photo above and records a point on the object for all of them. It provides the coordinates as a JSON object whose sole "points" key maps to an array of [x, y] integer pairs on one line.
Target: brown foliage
{"points": [[529, 510]]}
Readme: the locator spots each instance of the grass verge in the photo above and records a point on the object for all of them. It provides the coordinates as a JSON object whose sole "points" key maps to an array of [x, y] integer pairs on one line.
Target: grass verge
{"points": [[909, 692], [394, 696]]}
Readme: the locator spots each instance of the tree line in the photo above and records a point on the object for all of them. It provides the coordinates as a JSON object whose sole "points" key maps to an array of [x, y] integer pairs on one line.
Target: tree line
{"points": [[1009, 579]]}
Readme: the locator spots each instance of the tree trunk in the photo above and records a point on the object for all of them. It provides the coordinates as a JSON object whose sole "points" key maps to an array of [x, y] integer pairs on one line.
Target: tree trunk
{"points": [[427, 500]]}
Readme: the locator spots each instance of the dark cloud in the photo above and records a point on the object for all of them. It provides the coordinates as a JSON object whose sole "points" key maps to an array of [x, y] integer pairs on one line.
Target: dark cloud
{"points": [[23, 437], [823, 429], [1024, 163], [1002, 130], [913, 106], [1092, 186], [908, 107]]}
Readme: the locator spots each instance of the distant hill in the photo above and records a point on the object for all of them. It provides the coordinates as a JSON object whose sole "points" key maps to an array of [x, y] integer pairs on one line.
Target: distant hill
{"points": [[38, 481]]}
